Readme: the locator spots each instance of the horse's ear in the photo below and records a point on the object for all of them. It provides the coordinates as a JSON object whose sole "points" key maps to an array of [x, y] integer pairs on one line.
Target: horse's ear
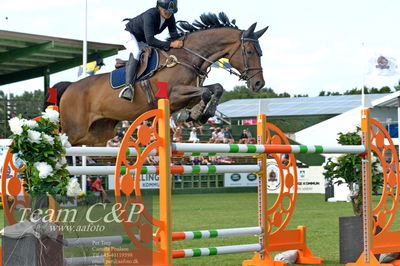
{"points": [[260, 32], [250, 30]]}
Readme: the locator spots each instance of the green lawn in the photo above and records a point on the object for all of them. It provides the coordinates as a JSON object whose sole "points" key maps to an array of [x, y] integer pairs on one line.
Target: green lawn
{"points": [[217, 211]]}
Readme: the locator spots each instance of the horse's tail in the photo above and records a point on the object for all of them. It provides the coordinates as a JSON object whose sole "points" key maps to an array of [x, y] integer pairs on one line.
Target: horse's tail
{"points": [[61, 87]]}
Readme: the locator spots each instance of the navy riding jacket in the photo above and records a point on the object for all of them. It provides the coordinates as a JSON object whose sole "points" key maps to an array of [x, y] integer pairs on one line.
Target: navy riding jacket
{"points": [[147, 25]]}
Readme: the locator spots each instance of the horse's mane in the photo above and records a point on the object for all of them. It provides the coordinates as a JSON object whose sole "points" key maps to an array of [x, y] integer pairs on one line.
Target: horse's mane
{"points": [[207, 21]]}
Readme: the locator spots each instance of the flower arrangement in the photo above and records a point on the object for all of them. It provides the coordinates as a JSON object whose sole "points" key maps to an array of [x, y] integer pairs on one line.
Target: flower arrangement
{"points": [[42, 149], [347, 169]]}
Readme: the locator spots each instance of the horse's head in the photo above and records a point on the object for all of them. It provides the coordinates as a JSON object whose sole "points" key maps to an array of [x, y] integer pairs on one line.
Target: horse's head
{"points": [[246, 58]]}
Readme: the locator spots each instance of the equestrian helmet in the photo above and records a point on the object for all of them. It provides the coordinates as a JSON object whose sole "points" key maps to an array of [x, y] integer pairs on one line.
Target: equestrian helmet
{"points": [[170, 6]]}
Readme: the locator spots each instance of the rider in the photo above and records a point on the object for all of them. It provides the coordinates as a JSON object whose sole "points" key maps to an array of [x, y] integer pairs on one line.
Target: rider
{"points": [[142, 29]]}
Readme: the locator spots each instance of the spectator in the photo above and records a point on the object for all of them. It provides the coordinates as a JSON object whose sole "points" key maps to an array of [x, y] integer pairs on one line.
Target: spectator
{"points": [[90, 160], [220, 137], [172, 124], [177, 136], [125, 125], [196, 161], [285, 159], [228, 137], [244, 139], [88, 184], [98, 187], [200, 128], [114, 142], [119, 134], [193, 136], [225, 160], [152, 160], [204, 161], [251, 140], [214, 136], [213, 160]]}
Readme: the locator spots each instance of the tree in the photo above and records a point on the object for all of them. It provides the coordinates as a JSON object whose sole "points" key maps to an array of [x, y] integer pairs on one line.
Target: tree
{"points": [[242, 92], [347, 169], [29, 105]]}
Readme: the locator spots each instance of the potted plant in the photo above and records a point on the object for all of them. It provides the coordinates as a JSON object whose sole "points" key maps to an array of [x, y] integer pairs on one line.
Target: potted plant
{"points": [[41, 148], [347, 169]]}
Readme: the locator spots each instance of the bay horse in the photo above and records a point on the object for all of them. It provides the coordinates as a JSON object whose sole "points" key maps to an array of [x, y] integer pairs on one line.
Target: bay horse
{"points": [[90, 109]]}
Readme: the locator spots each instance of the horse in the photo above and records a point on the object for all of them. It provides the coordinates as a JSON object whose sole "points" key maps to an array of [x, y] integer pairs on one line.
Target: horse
{"points": [[90, 109]]}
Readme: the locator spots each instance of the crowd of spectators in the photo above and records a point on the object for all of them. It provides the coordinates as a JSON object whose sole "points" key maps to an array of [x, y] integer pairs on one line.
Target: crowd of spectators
{"points": [[218, 134]]}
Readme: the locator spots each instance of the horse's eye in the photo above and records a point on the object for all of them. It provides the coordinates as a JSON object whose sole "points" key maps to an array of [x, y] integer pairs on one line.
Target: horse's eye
{"points": [[249, 52]]}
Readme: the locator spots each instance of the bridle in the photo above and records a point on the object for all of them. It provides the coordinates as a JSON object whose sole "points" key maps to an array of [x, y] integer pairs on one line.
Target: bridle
{"points": [[244, 75]]}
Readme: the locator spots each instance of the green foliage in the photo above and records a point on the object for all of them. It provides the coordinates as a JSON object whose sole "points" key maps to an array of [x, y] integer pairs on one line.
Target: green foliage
{"points": [[347, 169], [42, 150], [242, 92], [356, 91]]}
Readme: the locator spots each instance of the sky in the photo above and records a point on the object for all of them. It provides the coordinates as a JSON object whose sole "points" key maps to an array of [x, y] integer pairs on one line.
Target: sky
{"points": [[310, 46]]}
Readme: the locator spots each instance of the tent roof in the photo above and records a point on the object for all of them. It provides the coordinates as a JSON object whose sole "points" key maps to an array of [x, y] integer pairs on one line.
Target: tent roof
{"points": [[26, 56]]}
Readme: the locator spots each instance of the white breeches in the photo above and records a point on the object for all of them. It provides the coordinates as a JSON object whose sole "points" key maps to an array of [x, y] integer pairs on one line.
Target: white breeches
{"points": [[129, 41]]}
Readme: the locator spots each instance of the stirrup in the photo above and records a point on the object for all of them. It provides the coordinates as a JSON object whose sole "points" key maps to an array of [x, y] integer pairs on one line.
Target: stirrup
{"points": [[127, 93]]}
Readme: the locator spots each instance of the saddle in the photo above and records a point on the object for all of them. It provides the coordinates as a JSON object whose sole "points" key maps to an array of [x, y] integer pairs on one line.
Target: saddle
{"points": [[143, 61], [148, 63]]}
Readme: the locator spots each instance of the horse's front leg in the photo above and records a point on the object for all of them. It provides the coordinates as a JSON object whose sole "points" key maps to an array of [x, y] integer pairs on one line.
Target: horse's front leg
{"points": [[209, 111], [190, 97]]}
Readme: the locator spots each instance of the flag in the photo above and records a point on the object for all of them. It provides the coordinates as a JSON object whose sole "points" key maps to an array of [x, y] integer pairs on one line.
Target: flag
{"points": [[162, 89], [52, 96], [222, 63], [382, 65], [91, 68]]}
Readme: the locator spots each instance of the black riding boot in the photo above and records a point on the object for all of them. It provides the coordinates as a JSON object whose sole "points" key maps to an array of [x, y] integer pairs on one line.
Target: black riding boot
{"points": [[127, 92]]}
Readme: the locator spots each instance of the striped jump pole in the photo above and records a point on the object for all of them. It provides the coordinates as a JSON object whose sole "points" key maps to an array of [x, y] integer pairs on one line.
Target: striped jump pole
{"points": [[217, 233], [90, 260], [96, 241], [113, 151], [100, 151], [175, 169], [197, 252], [266, 148], [176, 236]]}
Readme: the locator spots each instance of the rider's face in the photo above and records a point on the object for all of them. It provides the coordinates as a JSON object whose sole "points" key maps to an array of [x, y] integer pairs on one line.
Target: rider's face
{"points": [[164, 13]]}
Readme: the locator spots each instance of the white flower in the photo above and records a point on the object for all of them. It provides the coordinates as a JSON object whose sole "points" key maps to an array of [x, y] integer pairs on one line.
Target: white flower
{"points": [[61, 163], [16, 125], [73, 188], [64, 140], [34, 136], [378, 169], [334, 159], [48, 139], [51, 115], [31, 123], [44, 169]]}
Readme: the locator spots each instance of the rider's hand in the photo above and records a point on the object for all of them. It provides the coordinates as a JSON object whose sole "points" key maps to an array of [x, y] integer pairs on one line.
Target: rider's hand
{"points": [[176, 44]]}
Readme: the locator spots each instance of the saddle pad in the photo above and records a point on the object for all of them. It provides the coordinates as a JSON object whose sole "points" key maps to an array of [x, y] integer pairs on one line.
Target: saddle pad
{"points": [[117, 76]]}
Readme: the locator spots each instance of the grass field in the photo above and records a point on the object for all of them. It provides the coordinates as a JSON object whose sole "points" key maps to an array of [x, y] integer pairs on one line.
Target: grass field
{"points": [[217, 211]]}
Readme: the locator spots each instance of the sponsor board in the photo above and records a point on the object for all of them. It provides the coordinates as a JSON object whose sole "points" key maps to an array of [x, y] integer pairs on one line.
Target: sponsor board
{"points": [[240, 180], [148, 181], [310, 180]]}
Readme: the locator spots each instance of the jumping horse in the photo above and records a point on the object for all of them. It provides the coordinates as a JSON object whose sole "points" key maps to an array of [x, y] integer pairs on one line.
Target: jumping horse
{"points": [[90, 109]]}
